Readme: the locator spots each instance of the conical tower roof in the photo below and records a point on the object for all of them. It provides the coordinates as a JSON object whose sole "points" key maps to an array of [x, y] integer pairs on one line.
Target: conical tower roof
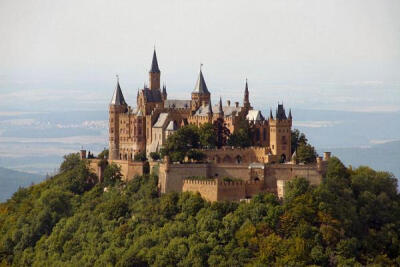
{"points": [[209, 111], [118, 97], [154, 63], [201, 86]]}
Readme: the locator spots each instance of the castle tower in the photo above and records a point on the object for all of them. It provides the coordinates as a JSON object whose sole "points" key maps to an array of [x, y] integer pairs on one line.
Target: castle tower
{"points": [[200, 93], [220, 109], [117, 106], [164, 93], [209, 112], [280, 134], [154, 73], [246, 101]]}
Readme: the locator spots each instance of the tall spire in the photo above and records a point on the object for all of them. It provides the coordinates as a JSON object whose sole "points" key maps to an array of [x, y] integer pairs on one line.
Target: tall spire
{"points": [[118, 97], [201, 86], [246, 101], [154, 63], [209, 111], [290, 114], [220, 109], [270, 114]]}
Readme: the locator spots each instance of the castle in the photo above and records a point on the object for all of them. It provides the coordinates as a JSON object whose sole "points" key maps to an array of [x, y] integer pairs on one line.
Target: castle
{"points": [[146, 127], [264, 167]]}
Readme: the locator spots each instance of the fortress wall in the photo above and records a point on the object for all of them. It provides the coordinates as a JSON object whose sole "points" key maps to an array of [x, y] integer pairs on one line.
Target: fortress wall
{"points": [[171, 176], [207, 189], [129, 169], [239, 171], [285, 172], [253, 188], [231, 191]]}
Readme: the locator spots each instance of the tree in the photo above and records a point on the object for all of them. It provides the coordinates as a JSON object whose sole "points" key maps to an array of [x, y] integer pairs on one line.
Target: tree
{"points": [[70, 162], [196, 155], [180, 142], [112, 174], [141, 156], [221, 131], [155, 156], [103, 154], [297, 139], [306, 153], [207, 136]]}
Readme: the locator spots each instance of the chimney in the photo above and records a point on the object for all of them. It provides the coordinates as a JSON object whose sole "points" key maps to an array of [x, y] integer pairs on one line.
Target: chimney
{"points": [[83, 154], [229, 103], [237, 104], [327, 155]]}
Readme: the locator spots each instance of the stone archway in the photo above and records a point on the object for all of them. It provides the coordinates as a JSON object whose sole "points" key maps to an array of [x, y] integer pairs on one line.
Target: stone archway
{"points": [[282, 158], [227, 159]]}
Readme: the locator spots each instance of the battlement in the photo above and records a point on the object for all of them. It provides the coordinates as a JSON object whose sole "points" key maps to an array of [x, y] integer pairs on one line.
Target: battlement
{"points": [[200, 182]]}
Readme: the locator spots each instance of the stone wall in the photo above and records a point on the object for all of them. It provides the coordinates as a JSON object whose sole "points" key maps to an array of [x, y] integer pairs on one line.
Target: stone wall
{"points": [[129, 169], [171, 176], [255, 178], [208, 188]]}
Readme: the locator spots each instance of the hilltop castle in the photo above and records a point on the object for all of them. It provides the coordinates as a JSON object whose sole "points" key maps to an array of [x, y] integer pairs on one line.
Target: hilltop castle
{"points": [[146, 127], [227, 173]]}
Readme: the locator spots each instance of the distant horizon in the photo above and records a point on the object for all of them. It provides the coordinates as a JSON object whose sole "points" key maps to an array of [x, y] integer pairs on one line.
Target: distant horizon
{"points": [[304, 53]]}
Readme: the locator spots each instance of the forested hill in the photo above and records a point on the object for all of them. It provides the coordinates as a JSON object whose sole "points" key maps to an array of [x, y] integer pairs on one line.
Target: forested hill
{"points": [[352, 219]]}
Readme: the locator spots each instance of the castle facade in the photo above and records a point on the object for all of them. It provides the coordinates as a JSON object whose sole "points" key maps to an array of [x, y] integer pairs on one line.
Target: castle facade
{"points": [[226, 173], [146, 127]]}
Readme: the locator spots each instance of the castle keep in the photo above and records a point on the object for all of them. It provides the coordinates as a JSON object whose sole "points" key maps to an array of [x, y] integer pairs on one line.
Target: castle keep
{"points": [[145, 128]]}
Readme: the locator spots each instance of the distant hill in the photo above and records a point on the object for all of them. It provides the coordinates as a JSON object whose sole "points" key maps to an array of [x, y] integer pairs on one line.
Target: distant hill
{"points": [[383, 157], [11, 180]]}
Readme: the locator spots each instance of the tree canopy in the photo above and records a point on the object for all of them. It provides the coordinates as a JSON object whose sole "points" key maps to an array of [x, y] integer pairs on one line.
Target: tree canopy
{"points": [[351, 219]]}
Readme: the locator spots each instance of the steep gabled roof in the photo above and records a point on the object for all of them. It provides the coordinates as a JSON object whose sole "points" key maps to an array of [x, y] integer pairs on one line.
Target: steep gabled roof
{"points": [[118, 97], [152, 95], [201, 86], [154, 63]]}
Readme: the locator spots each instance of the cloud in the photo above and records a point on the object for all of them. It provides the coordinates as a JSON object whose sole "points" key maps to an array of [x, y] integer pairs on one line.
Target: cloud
{"points": [[316, 124], [382, 141]]}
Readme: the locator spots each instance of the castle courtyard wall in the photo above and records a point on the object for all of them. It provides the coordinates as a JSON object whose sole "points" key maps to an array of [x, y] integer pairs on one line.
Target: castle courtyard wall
{"points": [[208, 188]]}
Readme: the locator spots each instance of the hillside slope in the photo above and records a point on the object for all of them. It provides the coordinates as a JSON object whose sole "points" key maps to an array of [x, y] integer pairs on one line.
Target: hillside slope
{"points": [[352, 219]]}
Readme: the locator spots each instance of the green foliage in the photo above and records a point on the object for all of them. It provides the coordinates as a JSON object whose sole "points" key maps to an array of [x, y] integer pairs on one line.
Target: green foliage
{"points": [[70, 162], [141, 156], [297, 139], [112, 174], [351, 219], [207, 136], [155, 155], [306, 153], [103, 154], [242, 136], [196, 155]]}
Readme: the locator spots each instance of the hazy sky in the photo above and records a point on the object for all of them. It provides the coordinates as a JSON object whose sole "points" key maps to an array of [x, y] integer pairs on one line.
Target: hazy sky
{"points": [[342, 54]]}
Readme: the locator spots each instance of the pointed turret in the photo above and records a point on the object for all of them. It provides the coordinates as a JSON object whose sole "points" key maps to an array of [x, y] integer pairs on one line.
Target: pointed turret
{"points": [[201, 87], [270, 114], [118, 97], [290, 114], [154, 63], [200, 94], [154, 73], [280, 112], [246, 101], [220, 109], [164, 92], [209, 111]]}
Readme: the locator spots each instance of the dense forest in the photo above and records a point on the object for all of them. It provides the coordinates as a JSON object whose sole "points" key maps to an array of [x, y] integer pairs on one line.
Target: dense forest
{"points": [[351, 219]]}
